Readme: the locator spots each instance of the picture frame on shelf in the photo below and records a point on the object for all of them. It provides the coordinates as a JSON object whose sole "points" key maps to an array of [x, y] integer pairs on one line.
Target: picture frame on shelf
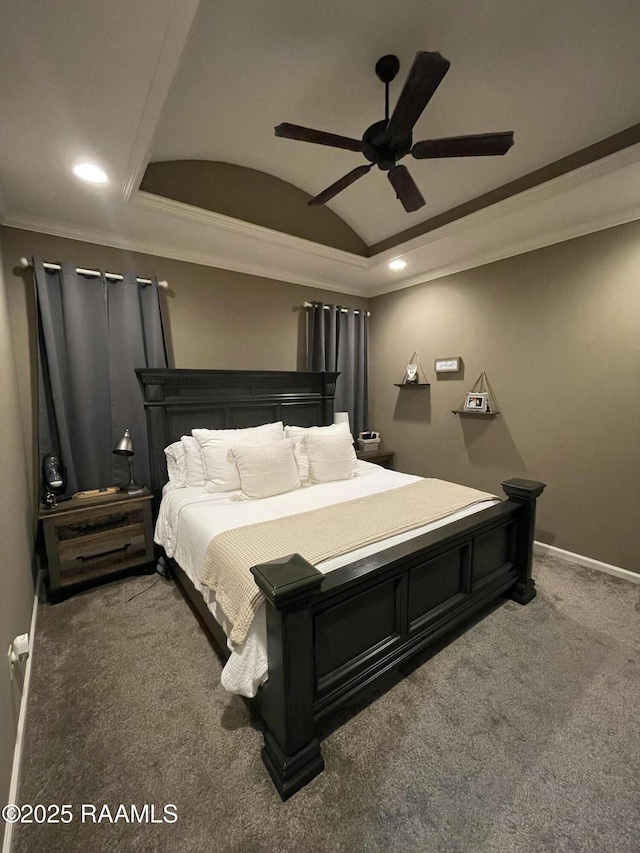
{"points": [[447, 365], [476, 401]]}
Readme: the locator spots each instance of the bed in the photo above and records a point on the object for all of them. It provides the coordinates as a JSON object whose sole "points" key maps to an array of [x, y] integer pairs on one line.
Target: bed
{"points": [[330, 637]]}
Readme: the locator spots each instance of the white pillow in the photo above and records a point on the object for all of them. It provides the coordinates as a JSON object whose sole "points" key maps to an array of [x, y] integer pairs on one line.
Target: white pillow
{"points": [[275, 431], [220, 474], [298, 434], [176, 465], [333, 429], [331, 457], [193, 457], [266, 470]]}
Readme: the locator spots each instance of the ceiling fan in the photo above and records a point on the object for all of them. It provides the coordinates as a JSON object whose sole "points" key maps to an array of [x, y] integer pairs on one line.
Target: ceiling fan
{"points": [[388, 141]]}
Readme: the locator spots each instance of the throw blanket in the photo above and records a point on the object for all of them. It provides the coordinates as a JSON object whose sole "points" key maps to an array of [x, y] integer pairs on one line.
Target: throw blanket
{"points": [[319, 535]]}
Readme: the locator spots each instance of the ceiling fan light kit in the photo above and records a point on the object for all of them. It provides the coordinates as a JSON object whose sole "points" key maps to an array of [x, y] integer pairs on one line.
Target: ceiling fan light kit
{"points": [[386, 142]]}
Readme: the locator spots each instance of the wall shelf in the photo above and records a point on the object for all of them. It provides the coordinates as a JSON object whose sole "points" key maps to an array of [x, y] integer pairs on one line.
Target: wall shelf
{"points": [[414, 375], [480, 386]]}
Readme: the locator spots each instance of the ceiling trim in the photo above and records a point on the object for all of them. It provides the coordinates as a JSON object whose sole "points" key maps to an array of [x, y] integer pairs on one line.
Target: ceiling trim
{"points": [[169, 56], [539, 242], [570, 163], [361, 276], [207, 259], [250, 229], [521, 202]]}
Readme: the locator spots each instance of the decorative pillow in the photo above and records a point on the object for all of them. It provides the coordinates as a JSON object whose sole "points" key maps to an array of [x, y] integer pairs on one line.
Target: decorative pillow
{"points": [[331, 457], [176, 465], [333, 429], [193, 457], [298, 434], [266, 470], [275, 431], [221, 475]]}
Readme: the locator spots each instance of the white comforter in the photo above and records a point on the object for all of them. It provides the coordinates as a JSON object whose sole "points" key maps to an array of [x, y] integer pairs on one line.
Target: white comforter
{"points": [[189, 519]]}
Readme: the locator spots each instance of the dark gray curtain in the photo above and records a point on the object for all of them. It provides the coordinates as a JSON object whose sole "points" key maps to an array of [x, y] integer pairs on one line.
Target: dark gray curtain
{"points": [[338, 339], [92, 335]]}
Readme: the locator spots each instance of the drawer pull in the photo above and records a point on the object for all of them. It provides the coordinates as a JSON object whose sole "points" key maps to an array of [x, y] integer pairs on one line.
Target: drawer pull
{"points": [[104, 553]]}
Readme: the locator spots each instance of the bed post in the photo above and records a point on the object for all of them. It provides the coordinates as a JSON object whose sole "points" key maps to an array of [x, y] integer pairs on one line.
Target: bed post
{"points": [[291, 752], [525, 493]]}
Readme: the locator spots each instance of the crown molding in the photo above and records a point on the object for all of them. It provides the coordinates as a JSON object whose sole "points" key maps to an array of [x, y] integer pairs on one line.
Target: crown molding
{"points": [[538, 242], [522, 201], [249, 229], [169, 56], [162, 250], [563, 209]]}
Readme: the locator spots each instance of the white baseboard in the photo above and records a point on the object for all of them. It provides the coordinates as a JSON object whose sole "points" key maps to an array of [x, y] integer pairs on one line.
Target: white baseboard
{"points": [[589, 562], [22, 718]]}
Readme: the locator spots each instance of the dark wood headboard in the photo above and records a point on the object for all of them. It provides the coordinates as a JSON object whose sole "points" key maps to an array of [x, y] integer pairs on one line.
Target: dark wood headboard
{"points": [[177, 401]]}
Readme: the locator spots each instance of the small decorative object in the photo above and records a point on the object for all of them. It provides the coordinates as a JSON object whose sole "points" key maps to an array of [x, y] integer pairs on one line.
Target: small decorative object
{"points": [[124, 447], [480, 399], [54, 478], [476, 402], [414, 375], [448, 365], [368, 441]]}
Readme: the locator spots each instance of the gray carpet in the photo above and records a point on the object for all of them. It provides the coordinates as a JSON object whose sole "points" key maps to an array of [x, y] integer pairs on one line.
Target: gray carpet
{"points": [[520, 735]]}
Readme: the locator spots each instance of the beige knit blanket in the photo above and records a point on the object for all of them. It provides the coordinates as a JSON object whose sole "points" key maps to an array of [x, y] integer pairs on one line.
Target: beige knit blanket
{"points": [[319, 535]]}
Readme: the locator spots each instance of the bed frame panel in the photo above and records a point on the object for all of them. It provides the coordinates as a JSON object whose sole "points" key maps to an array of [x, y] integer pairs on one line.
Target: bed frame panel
{"points": [[329, 638]]}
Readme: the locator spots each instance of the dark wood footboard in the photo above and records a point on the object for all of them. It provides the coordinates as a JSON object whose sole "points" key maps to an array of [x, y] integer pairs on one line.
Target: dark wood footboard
{"points": [[331, 637]]}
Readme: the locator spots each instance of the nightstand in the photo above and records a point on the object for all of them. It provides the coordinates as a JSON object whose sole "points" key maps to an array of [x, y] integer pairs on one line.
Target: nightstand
{"points": [[380, 457], [91, 539]]}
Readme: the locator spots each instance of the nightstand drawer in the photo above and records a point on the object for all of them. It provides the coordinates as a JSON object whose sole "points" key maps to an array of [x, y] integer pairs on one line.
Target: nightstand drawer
{"points": [[90, 525], [109, 550]]}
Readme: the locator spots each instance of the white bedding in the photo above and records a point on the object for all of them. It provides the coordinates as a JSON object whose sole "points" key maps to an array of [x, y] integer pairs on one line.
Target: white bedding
{"points": [[189, 519]]}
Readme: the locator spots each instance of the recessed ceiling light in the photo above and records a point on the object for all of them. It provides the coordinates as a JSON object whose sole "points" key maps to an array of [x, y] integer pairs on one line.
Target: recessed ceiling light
{"points": [[397, 264], [89, 172]]}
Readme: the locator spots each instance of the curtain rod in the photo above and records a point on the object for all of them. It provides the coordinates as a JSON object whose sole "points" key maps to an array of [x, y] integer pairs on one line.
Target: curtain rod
{"points": [[112, 275], [344, 310]]}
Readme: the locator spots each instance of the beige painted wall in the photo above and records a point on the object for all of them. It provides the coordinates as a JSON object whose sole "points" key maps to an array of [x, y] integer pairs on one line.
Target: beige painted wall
{"points": [[558, 333], [16, 526], [213, 318]]}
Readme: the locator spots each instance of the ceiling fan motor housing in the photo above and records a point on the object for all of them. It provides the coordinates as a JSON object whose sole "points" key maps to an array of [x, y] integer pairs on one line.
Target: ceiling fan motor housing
{"points": [[384, 150]]}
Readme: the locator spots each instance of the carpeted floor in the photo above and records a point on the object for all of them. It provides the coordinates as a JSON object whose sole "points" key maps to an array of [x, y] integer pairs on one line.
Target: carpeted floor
{"points": [[520, 735]]}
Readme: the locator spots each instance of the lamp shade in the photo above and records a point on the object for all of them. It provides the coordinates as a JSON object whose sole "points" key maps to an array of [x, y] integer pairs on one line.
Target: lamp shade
{"points": [[342, 418], [124, 446]]}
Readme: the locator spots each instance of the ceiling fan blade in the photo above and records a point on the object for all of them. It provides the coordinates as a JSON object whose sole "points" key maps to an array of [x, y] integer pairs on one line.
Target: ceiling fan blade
{"points": [[478, 145], [425, 76], [340, 185], [308, 134], [405, 188]]}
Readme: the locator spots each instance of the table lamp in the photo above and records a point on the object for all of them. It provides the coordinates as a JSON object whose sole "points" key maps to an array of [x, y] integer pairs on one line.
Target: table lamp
{"points": [[124, 447]]}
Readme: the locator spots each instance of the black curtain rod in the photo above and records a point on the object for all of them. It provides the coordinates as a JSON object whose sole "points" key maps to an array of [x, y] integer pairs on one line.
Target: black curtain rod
{"points": [[344, 310]]}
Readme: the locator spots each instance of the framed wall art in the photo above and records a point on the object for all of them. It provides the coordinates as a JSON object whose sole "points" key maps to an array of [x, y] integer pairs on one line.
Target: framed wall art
{"points": [[448, 365]]}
